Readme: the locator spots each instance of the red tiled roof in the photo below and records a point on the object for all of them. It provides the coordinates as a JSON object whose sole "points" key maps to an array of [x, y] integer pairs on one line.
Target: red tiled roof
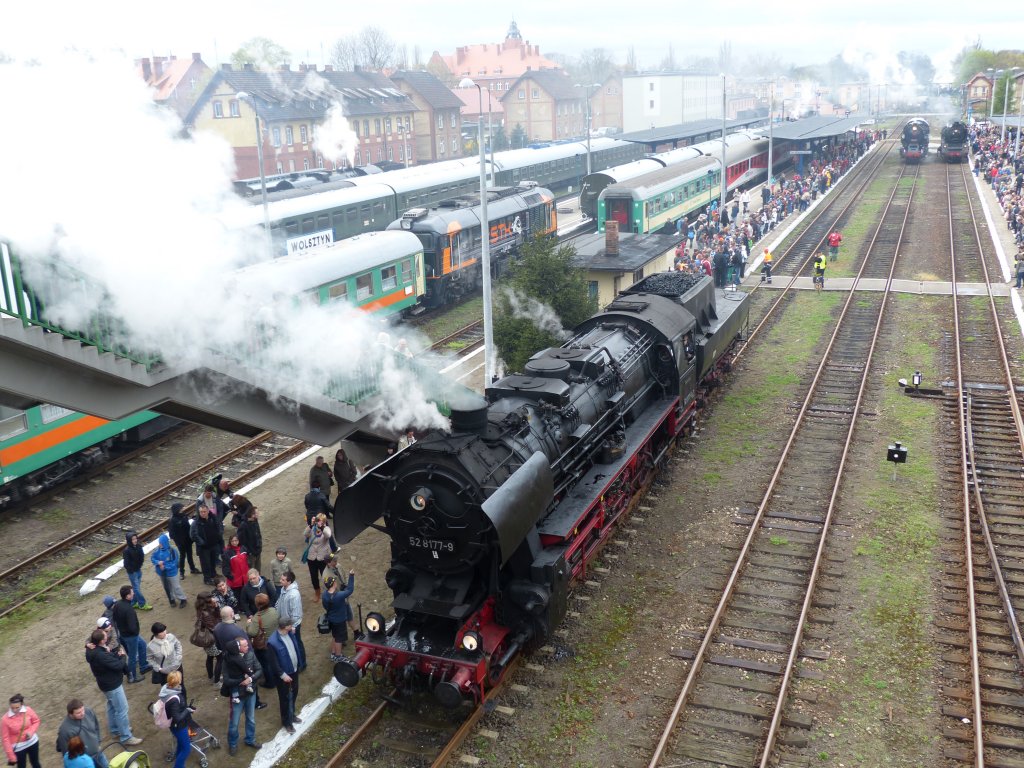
{"points": [[508, 59]]}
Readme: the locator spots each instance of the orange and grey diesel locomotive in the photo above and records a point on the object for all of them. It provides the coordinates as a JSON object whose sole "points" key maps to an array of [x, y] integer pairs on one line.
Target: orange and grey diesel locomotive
{"points": [[491, 522]]}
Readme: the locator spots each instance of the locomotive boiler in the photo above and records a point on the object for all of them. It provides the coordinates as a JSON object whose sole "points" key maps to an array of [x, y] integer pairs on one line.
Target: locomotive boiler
{"points": [[953, 146], [491, 522], [914, 141]]}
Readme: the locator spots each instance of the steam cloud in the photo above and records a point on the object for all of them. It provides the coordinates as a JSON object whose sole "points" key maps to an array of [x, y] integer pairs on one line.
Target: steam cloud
{"points": [[334, 138], [540, 314], [118, 195]]}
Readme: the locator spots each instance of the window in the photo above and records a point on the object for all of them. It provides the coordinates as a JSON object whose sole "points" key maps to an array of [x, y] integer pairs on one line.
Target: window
{"points": [[366, 127], [280, 167], [276, 134], [391, 153], [650, 87], [338, 292], [291, 166], [440, 120], [233, 106], [376, 126], [305, 163], [638, 275], [408, 123], [652, 106], [455, 121], [218, 109], [380, 154], [592, 289], [51, 413], [355, 127], [13, 425], [440, 148], [401, 153], [534, 93], [388, 279], [455, 147], [364, 287], [407, 271], [303, 134], [289, 135], [521, 94], [387, 125]]}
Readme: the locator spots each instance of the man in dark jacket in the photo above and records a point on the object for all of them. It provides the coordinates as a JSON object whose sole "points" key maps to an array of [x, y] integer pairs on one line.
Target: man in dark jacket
{"points": [[208, 534], [109, 670], [251, 537], [256, 585], [83, 723], [178, 526], [241, 673], [134, 558], [316, 503], [127, 623], [283, 659], [226, 632], [321, 474]]}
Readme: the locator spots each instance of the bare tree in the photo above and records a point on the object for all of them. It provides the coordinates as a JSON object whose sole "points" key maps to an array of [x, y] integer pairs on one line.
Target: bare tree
{"points": [[630, 65], [668, 64], [725, 57], [261, 53], [376, 48], [417, 57], [344, 55], [596, 65], [402, 57]]}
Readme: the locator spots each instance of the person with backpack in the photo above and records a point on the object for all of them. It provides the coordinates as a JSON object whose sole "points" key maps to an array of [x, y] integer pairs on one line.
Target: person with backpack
{"points": [[171, 712]]}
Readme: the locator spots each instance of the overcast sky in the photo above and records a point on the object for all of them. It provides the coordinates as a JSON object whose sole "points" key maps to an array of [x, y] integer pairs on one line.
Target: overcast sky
{"points": [[802, 33]]}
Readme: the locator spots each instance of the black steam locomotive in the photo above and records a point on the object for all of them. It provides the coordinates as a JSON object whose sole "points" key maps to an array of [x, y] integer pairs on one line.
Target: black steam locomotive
{"points": [[492, 522], [914, 142], [953, 145]]}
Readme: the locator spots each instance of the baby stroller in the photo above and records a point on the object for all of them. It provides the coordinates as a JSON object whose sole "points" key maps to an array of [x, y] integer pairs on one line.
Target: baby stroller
{"points": [[127, 758]]}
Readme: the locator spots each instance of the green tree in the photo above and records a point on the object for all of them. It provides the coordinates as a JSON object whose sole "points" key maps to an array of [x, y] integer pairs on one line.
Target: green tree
{"points": [[500, 139], [519, 138], [262, 53], [544, 273]]}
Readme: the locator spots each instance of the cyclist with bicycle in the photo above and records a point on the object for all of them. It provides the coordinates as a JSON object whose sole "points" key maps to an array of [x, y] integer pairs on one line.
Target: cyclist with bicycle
{"points": [[819, 271]]}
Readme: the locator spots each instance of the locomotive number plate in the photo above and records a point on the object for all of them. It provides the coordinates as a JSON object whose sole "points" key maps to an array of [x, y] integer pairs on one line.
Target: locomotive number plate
{"points": [[434, 545]]}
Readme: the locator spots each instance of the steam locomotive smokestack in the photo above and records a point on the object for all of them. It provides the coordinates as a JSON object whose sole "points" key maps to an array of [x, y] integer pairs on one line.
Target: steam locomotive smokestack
{"points": [[611, 238]]}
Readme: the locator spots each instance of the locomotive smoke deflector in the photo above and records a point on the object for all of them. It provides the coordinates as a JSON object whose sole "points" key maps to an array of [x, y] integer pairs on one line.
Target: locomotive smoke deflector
{"points": [[530, 488]]}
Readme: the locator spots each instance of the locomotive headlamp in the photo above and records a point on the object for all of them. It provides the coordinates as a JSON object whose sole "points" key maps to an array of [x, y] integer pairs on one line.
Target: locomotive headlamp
{"points": [[374, 623], [419, 500], [471, 641]]}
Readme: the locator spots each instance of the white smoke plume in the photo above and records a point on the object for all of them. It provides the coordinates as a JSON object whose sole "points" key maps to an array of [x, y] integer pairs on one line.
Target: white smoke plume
{"points": [[540, 314], [334, 139], [118, 195]]}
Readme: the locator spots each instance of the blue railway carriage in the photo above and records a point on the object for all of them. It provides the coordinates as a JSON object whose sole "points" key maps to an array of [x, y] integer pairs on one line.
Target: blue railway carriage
{"points": [[651, 201], [561, 167], [379, 272]]}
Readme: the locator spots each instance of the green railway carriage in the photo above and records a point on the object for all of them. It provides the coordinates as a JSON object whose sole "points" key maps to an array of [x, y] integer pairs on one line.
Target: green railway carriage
{"points": [[379, 272]]}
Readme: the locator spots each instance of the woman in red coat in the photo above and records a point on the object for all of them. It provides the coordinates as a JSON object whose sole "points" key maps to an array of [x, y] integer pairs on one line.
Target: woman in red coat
{"points": [[19, 727], [236, 565]]}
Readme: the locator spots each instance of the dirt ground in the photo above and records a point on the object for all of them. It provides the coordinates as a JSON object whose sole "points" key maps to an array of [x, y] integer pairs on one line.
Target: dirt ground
{"points": [[45, 659]]}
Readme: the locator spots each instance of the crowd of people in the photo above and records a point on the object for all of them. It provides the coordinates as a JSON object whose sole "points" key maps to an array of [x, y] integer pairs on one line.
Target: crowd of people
{"points": [[720, 243], [248, 624], [998, 160]]}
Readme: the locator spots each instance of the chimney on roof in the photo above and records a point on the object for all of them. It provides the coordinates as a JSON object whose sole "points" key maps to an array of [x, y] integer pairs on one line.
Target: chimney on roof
{"points": [[611, 238], [328, 67], [146, 70], [197, 58], [286, 67], [248, 67], [158, 67], [226, 67]]}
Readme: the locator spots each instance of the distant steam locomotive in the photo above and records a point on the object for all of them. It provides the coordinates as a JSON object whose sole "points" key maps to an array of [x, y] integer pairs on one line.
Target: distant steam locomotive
{"points": [[914, 142], [492, 522], [953, 146]]}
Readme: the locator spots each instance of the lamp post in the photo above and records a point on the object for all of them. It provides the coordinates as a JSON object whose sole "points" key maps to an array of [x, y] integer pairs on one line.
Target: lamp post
{"points": [[243, 96], [485, 242], [1006, 96], [589, 89], [722, 201], [771, 132], [1020, 108], [992, 89]]}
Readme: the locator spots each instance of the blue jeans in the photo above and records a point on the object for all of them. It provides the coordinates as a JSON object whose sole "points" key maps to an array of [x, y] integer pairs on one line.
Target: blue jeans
{"points": [[299, 647], [135, 579], [135, 647], [117, 713], [100, 760], [184, 746], [249, 705]]}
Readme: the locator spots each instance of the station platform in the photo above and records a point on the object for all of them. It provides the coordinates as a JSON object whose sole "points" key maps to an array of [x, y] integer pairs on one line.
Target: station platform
{"points": [[916, 287]]}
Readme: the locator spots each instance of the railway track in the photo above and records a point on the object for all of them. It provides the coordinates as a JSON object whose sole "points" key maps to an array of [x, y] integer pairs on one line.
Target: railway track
{"points": [[777, 602], [982, 594], [462, 341], [103, 540]]}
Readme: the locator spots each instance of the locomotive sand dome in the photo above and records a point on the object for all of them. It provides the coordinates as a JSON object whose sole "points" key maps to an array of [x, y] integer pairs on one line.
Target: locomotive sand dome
{"points": [[491, 522]]}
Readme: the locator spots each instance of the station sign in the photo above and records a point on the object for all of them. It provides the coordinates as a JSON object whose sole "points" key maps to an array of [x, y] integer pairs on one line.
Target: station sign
{"points": [[308, 242]]}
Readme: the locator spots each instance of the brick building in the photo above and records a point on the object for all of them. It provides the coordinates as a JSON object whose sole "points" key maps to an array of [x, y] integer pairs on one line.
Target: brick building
{"points": [[176, 82], [547, 105], [438, 132]]}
